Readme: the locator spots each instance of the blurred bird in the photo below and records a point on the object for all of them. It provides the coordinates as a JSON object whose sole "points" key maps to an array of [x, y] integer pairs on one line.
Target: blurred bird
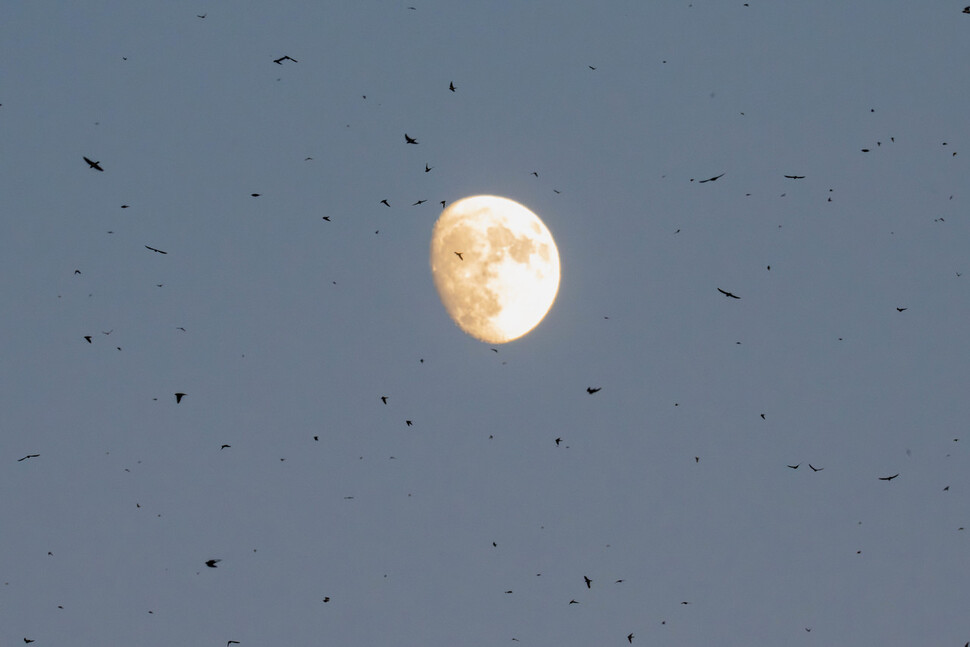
{"points": [[94, 165]]}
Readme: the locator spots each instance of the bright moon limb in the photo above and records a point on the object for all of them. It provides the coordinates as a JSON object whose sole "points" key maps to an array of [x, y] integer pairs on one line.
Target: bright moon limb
{"points": [[496, 267]]}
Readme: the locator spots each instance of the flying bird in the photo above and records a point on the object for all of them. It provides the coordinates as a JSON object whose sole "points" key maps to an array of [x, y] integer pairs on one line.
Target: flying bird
{"points": [[591, 390], [94, 165], [178, 397], [816, 469], [588, 582], [212, 563], [711, 179], [28, 456], [795, 177], [409, 140], [728, 294], [888, 478], [451, 86], [279, 61], [155, 250]]}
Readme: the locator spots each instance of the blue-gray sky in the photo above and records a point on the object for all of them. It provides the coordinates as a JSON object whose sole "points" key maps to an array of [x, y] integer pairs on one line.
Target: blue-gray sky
{"points": [[669, 478]]}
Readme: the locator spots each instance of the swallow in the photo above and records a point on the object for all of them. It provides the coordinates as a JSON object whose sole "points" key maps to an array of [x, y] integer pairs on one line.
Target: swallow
{"points": [[28, 456], [588, 582], [728, 294], [711, 179], [88, 338], [385, 203], [591, 390], [451, 86], [795, 177], [418, 202], [279, 61], [795, 467], [178, 397], [427, 169], [888, 478], [94, 165], [155, 250], [816, 469], [212, 563], [458, 254], [409, 140]]}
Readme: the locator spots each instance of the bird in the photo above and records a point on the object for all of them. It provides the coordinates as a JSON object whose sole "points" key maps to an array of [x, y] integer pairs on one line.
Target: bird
{"points": [[211, 563], [385, 203], [451, 86], [409, 140], [816, 469], [384, 399], [94, 165], [711, 179], [155, 250], [795, 467], [728, 294], [427, 169], [178, 397], [591, 390], [795, 177], [88, 338], [458, 254], [28, 456], [279, 61], [588, 582], [888, 478], [418, 202]]}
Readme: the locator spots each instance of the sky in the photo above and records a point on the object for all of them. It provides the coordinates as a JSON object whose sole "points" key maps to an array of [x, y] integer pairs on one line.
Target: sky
{"points": [[670, 488]]}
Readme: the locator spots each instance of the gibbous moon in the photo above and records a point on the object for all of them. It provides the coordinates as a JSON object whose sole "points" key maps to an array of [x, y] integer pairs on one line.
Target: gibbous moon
{"points": [[496, 267]]}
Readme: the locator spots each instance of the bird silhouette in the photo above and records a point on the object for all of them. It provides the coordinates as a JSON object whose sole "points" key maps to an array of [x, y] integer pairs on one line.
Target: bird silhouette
{"points": [[409, 140], [711, 179], [28, 456], [816, 469], [591, 390], [94, 165], [728, 294], [178, 397], [158, 251], [279, 61], [212, 563], [888, 478]]}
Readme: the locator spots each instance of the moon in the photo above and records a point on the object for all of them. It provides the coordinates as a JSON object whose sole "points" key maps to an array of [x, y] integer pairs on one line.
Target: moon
{"points": [[496, 267]]}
